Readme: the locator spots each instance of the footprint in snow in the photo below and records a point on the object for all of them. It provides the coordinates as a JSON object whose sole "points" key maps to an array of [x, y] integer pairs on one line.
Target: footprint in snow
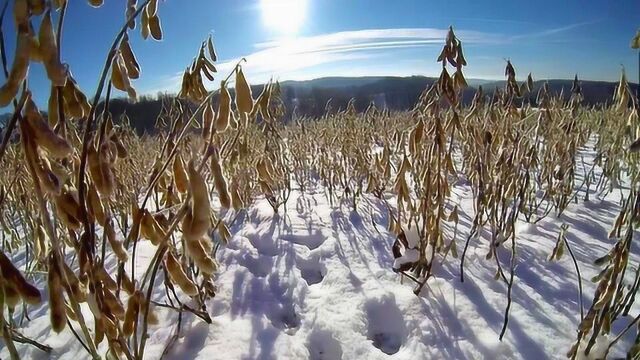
{"points": [[386, 327], [311, 269], [323, 346]]}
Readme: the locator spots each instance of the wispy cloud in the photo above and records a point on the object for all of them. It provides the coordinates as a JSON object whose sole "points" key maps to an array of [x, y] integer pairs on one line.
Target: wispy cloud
{"points": [[303, 57], [554, 31], [282, 57]]}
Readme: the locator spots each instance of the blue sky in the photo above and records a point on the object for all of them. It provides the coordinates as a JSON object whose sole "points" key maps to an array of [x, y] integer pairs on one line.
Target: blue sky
{"points": [[303, 39]]}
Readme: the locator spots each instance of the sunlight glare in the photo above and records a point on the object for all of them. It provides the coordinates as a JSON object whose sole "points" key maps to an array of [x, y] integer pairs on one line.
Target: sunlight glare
{"points": [[285, 16]]}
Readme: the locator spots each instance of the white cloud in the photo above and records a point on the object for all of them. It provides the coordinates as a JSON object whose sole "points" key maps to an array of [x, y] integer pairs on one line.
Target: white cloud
{"points": [[307, 57], [282, 58]]}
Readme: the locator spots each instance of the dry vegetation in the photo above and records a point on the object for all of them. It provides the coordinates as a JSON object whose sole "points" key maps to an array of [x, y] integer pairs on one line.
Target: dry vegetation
{"points": [[75, 189]]}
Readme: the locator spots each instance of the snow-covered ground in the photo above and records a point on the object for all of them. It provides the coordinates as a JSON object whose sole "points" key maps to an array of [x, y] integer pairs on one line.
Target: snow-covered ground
{"points": [[316, 282]]}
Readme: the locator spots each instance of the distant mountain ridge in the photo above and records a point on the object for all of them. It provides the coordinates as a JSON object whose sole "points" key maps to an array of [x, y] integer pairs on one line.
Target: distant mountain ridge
{"points": [[309, 98]]}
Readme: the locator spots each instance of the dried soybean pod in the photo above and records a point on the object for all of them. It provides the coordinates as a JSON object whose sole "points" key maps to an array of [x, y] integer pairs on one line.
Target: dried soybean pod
{"points": [[68, 208], [179, 276], [57, 308], [106, 171], [116, 245], [131, 314], [197, 250], [118, 73], [207, 121], [101, 274], [52, 107], [130, 61], [28, 292], [56, 72], [21, 12], [96, 208], [131, 9], [74, 287], [19, 68], [224, 108], [11, 295], [127, 284], [146, 225], [211, 49], [99, 336], [155, 28], [93, 163], [43, 135], [219, 181], [244, 99], [113, 303], [197, 223], [180, 175], [150, 229]]}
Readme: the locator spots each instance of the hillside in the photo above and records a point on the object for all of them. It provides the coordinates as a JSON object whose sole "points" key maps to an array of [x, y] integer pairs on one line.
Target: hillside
{"points": [[310, 98]]}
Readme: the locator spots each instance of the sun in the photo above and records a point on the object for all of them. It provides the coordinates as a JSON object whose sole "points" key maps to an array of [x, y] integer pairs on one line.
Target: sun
{"points": [[283, 16]]}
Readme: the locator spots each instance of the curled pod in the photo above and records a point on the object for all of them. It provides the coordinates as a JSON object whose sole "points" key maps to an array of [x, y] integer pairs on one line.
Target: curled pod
{"points": [[57, 310], [14, 278], [178, 276]]}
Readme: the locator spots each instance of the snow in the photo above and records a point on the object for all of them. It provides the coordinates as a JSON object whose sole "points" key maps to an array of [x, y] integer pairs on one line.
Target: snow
{"points": [[317, 282]]}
